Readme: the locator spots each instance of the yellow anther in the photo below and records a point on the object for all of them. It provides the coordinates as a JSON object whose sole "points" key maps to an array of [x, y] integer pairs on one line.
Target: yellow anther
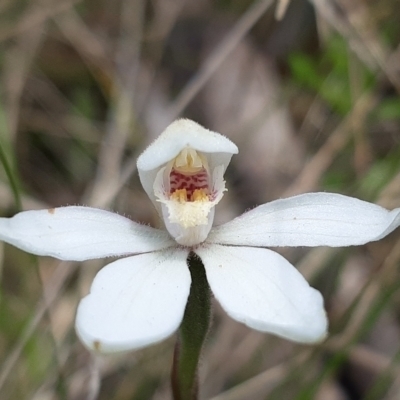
{"points": [[179, 195], [199, 195]]}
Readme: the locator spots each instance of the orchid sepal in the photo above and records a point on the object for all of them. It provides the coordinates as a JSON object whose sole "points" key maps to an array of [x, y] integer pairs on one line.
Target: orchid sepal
{"points": [[77, 233], [312, 219]]}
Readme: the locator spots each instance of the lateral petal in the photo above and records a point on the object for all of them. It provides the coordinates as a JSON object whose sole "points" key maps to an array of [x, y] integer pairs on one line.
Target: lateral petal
{"points": [[313, 219], [80, 233], [261, 289], [135, 301]]}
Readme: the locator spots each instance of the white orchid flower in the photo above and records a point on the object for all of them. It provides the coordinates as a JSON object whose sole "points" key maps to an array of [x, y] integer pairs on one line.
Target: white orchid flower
{"points": [[140, 299]]}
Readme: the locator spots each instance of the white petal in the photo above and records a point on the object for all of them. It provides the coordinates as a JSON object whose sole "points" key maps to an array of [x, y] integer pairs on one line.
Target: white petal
{"points": [[314, 219], [135, 301], [264, 291], [80, 233], [179, 135]]}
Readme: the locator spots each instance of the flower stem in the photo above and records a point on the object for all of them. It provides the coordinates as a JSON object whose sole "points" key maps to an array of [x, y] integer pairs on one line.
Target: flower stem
{"points": [[192, 333]]}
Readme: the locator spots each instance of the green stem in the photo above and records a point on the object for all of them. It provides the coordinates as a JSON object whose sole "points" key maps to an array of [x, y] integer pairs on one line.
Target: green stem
{"points": [[192, 333], [11, 178]]}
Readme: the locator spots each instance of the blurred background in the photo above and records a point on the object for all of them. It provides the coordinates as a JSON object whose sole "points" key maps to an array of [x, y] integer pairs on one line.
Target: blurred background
{"points": [[312, 101]]}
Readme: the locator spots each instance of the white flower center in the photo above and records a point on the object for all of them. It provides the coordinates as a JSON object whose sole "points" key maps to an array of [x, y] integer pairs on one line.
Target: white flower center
{"points": [[189, 190], [189, 194], [189, 178]]}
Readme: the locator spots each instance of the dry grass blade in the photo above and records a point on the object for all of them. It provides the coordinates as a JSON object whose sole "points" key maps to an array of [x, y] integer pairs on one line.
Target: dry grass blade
{"points": [[281, 8], [351, 21], [22, 56], [373, 290], [90, 46]]}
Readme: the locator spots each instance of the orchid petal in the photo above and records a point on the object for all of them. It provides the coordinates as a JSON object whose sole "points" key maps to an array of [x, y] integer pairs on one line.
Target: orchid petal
{"points": [[179, 135], [135, 301], [80, 233], [264, 291], [314, 219]]}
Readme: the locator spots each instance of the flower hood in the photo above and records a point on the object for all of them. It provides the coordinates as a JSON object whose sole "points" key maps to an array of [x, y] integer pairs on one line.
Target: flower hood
{"points": [[182, 173]]}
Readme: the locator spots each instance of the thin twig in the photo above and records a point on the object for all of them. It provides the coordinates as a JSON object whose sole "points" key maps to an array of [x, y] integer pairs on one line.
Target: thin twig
{"points": [[261, 384], [219, 54], [122, 119], [32, 18], [320, 162], [51, 292]]}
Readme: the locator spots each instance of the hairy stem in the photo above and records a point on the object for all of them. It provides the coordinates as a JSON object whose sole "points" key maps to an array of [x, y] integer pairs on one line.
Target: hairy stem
{"points": [[192, 333]]}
